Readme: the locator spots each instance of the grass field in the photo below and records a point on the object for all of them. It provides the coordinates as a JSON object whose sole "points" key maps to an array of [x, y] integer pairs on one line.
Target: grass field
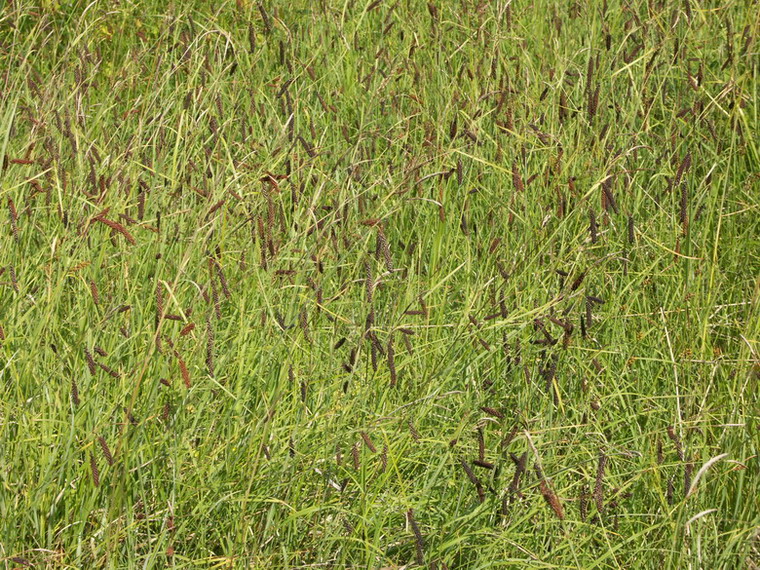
{"points": [[380, 284]]}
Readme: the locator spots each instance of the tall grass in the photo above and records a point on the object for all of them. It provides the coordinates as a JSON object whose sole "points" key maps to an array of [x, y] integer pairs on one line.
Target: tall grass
{"points": [[452, 284]]}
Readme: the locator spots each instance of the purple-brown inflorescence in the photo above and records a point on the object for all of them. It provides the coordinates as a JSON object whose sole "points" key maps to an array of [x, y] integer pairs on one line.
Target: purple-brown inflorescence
{"points": [[549, 495], [95, 471], [599, 484], [106, 450], [419, 542]]}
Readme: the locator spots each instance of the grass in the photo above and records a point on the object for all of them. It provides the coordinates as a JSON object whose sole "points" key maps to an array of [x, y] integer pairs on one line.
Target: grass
{"points": [[379, 284]]}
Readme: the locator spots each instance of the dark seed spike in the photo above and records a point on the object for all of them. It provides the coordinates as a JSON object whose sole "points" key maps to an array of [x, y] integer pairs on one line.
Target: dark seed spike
{"points": [[214, 291], [521, 464], [159, 302], [563, 108], [419, 542], [251, 38], [549, 495], [598, 487], [105, 449], [141, 204], [682, 169], [470, 474], [631, 236], [303, 321], [117, 227], [91, 365], [384, 249], [265, 18], [262, 242], [474, 480], [609, 197], [307, 147], [676, 441], [368, 441], [423, 305], [481, 445], [578, 281], [74, 392], [493, 412], [185, 373], [304, 390], [112, 373], [209, 347], [593, 103], [222, 278], [369, 281], [517, 181], [14, 218], [95, 471]]}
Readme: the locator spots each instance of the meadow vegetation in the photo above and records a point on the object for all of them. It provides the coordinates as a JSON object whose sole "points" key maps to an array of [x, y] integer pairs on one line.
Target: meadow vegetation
{"points": [[379, 284]]}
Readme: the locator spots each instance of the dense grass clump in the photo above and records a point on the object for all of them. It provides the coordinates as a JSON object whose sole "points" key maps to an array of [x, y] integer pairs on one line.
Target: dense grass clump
{"points": [[446, 284]]}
